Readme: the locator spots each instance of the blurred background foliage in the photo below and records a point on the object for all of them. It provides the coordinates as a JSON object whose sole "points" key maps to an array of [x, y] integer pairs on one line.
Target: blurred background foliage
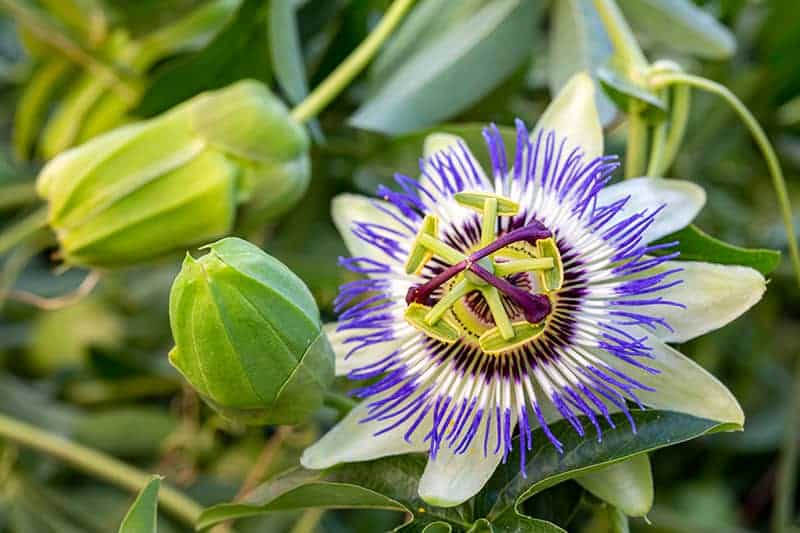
{"points": [[94, 368]]}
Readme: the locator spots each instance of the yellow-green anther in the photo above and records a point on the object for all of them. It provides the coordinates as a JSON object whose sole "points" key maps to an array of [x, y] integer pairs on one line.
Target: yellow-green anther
{"points": [[507, 268], [445, 251], [492, 341], [476, 201], [461, 289], [444, 330], [420, 255], [489, 221], [553, 278], [492, 297]]}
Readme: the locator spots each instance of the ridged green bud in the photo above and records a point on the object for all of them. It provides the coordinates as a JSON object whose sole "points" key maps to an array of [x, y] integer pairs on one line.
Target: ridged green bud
{"points": [[248, 335], [223, 161]]}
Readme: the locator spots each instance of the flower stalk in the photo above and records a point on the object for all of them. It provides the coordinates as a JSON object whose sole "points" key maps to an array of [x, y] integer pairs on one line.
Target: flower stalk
{"points": [[667, 79], [326, 91], [98, 464]]}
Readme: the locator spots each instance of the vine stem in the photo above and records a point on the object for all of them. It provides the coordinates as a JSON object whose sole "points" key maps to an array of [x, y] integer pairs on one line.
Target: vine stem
{"points": [[98, 464], [787, 467], [778, 181], [636, 149], [17, 194], [681, 103], [326, 91], [23, 229], [340, 402]]}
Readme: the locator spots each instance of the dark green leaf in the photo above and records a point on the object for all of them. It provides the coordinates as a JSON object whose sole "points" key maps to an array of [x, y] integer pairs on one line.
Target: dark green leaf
{"points": [[453, 72], [142, 517], [680, 25], [696, 245], [239, 50], [545, 467]]}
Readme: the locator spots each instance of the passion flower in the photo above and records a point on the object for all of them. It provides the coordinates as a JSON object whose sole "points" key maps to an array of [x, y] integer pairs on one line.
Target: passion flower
{"points": [[495, 304]]}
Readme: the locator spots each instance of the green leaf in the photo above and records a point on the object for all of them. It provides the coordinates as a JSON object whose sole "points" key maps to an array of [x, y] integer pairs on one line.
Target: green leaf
{"points": [[37, 95], [545, 467], [680, 25], [617, 520], [627, 485], [452, 72], [142, 516], [578, 42], [427, 21], [622, 91], [513, 522], [696, 245], [284, 47], [299, 495], [388, 483], [237, 51], [481, 526]]}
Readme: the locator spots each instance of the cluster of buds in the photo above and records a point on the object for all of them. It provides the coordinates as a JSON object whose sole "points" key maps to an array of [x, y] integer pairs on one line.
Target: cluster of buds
{"points": [[248, 335], [224, 161]]}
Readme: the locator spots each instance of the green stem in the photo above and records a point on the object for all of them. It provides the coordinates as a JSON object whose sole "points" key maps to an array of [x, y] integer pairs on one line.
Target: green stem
{"points": [[656, 163], [622, 38], [340, 402], [326, 91], [98, 464], [778, 181], [681, 102], [23, 229], [636, 149], [17, 195], [787, 469]]}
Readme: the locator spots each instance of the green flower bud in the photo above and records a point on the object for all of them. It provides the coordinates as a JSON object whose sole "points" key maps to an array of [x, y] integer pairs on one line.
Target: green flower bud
{"points": [[224, 161], [248, 335]]}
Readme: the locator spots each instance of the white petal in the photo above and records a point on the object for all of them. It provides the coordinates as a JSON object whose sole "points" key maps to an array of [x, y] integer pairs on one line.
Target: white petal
{"points": [[452, 479], [362, 357], [349, 208], [627, 485], [684, 200], [682, 385], [573, 114], [351, 441], [713, 294]]}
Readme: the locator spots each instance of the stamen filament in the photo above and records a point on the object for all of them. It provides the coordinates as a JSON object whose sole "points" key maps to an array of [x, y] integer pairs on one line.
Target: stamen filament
{"points": [[446, 252], [492, 297], [489, 221], [507, 268], [446, 302]]}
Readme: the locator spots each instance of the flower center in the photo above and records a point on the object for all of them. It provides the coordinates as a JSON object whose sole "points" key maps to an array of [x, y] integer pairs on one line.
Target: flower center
{"points": [[489, 270]]}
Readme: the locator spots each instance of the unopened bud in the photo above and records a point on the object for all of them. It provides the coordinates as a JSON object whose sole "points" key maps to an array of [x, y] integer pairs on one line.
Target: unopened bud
{"points": [[248, 335], [223, 161]]}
